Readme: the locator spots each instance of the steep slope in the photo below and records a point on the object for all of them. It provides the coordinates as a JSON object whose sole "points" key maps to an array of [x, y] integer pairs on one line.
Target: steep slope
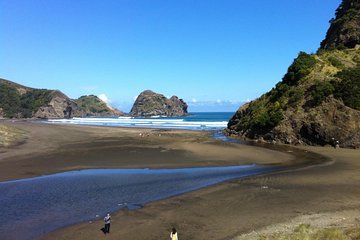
{"points": [[59, 106], [318, 100], [149, 103], [344, 30], [17, 101]]}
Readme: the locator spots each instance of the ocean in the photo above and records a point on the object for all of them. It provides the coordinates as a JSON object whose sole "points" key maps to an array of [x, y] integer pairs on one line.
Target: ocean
{"points": [[195, 121]]}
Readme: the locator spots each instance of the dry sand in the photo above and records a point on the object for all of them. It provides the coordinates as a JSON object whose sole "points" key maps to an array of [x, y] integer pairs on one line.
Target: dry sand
{"points": [[224, 211]]}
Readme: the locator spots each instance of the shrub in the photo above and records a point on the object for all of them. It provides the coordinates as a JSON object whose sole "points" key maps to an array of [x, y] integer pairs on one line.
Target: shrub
{"points": [[32, 100], [299, 69], [335, 62], [9, 100], [349, 88], [320, 91], [295, 95], [280, 90], [261, 117]]}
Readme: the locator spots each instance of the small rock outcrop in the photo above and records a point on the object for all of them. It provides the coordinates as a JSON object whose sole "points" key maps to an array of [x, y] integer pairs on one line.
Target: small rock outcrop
{"points": [[149, 103]]}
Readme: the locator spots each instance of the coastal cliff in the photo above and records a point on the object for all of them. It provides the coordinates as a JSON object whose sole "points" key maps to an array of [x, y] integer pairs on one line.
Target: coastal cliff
{"points": [[318, 100], [149, 103], [18, 101]]}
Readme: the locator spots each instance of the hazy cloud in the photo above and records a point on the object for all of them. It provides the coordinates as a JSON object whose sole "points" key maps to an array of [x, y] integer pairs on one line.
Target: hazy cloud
{"points": [[104, 98]]}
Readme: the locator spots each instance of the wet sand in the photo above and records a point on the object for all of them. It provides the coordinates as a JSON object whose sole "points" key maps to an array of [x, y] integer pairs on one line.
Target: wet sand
{"points": [[224, 211], [57, 148]]}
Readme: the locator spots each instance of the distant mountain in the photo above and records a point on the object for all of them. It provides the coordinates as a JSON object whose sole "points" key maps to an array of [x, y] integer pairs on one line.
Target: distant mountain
{"points": [[318, 100], [18, 101], [149, 103]]}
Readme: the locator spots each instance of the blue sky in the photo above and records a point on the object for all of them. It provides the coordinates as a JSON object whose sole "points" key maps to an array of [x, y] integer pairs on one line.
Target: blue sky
{"points": [[213, 54]]}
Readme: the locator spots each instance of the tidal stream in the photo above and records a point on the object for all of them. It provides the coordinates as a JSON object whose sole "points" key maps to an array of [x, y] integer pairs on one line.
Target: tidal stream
{"points": [[35, 206]]}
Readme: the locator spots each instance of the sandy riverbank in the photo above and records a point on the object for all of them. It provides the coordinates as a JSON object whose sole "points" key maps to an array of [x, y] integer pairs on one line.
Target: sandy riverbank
{"points": [[224, 211]]}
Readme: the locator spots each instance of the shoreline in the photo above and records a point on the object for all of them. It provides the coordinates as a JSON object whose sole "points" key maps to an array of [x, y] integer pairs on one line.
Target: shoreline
{"points": [[228, 210], [220, 211], [60, 144]]}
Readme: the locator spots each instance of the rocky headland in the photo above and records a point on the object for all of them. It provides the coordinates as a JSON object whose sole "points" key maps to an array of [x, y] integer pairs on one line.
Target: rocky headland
{"points": [[18, 101], [149, 103], [318, 100]]}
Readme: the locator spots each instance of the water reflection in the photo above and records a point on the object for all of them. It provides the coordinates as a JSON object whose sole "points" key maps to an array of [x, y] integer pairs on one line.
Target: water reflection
{"points": [[35, 206]]}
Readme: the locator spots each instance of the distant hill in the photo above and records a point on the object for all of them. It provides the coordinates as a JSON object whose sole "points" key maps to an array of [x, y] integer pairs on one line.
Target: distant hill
{"points": [[18, 101], [93, 106], [318, 100], [149, 103]]}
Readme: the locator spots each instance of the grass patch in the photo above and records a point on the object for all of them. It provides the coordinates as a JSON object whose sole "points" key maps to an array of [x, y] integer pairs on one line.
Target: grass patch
{"points": [[307, 232], [10, 136]]}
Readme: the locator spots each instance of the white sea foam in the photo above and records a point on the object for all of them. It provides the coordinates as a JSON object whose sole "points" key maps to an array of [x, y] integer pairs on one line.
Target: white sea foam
{"points": [[159, 122]]}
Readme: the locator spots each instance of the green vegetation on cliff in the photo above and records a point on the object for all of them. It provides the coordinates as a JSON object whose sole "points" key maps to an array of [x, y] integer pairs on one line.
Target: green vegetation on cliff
{"points": [[306, 106], [9, 100], [91, 105], [344, 31], [349, 88], [318, 99], [17, 101], [20, 101], [299, 69], [267, 111]]}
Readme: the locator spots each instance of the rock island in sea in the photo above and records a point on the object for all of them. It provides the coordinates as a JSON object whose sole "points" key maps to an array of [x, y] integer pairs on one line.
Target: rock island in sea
{"points": [[149, 103]]}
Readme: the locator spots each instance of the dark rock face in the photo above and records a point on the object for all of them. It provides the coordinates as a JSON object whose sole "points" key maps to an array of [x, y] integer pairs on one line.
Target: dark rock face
{"points": [[345, 28], [149, 104], [323, 125], [58, 107]]}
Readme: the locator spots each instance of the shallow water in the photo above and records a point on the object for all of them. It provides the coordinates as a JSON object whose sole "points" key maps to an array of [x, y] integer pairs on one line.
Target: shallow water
{"points": [[35, 206]]}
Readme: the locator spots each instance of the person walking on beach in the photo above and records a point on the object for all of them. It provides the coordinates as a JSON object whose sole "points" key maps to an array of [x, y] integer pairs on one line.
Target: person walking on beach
{"points": [[173, 234], [107, 223]]}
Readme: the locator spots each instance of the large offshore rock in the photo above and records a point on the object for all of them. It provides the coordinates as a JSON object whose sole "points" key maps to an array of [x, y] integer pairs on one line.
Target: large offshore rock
{"points": [[149, 103]]}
